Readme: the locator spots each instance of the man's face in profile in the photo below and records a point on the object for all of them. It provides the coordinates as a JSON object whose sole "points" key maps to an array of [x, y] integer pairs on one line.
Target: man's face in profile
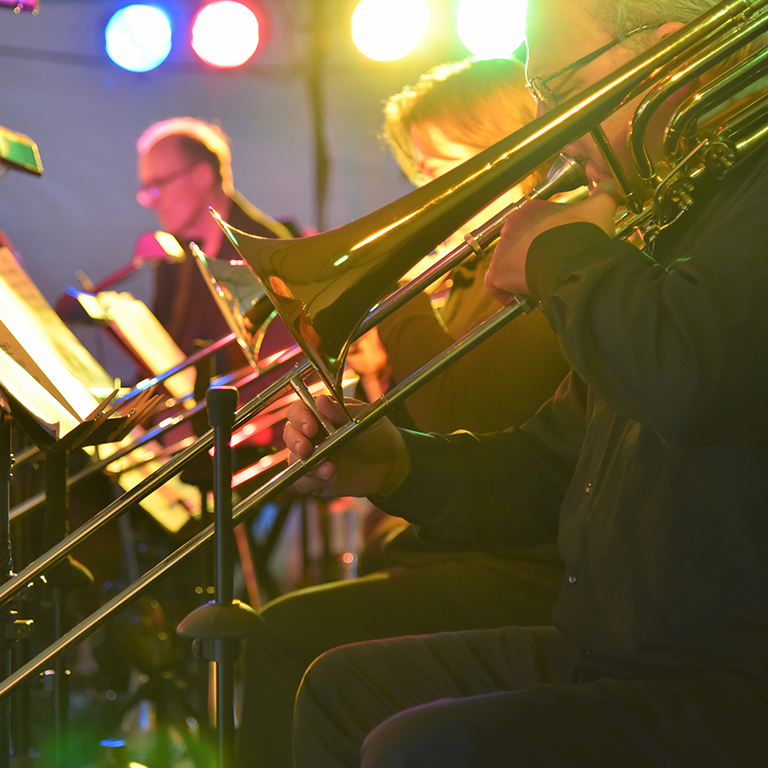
{"points": [[560, 33], [176, 187]]}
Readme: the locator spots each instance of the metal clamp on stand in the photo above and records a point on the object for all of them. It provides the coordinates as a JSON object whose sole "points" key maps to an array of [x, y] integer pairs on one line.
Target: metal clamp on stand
{"points": [[221, 623]]}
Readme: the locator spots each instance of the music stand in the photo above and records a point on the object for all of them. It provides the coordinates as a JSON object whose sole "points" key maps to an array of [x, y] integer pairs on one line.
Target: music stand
{"points": [[62, 399], [17, 151]]}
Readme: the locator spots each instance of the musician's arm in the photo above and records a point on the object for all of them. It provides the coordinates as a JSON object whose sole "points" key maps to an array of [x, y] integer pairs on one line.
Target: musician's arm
{"points": [[496, 491]]}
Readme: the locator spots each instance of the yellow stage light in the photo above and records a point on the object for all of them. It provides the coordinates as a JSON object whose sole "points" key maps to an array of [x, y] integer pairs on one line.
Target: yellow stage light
{"points": [[386, 30]]}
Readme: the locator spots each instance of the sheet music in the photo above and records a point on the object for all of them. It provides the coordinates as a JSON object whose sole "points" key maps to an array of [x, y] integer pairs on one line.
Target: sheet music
{"points": [[148, 340], [46, 409], [174, 503], [19, 338], [48, 326]]}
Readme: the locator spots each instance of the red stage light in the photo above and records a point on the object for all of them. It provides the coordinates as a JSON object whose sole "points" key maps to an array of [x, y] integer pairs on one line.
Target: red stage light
{"points": [[225, 34]]}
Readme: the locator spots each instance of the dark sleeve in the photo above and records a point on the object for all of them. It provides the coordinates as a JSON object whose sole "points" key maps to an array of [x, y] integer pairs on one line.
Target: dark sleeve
{"points": [[500, 383], [494, 492], [682, 348]]}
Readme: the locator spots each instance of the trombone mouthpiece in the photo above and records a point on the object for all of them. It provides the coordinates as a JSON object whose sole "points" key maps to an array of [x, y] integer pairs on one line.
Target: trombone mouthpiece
{"points": [[566, 174]]}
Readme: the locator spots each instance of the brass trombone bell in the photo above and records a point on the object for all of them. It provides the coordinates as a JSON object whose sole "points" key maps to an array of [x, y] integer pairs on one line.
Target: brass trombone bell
{"points": [[235, 291]]}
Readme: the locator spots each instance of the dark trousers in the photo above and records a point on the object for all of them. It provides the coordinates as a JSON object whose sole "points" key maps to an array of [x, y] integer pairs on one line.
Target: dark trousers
{"points": [[444, 595], [513, 697]]}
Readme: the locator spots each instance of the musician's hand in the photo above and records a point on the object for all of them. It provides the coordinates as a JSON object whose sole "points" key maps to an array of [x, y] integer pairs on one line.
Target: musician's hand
{"points": [[506, 274], [373, 464]]}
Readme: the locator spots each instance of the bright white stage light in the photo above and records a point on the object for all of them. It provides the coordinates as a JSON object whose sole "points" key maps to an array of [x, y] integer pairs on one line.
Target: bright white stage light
{"points": [[492, 28]]}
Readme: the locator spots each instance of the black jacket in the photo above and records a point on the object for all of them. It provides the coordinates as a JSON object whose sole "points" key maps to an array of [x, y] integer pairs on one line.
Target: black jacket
{"points": [[650, 463]]}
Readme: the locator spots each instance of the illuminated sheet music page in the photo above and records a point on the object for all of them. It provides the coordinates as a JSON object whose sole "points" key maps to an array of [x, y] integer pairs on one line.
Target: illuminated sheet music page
{"points": [[42, 321], [146, 338], [20, 341], [46, 409], [174, 503]]}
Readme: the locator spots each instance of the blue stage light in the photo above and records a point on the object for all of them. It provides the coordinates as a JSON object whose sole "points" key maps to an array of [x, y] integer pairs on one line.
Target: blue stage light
{"points": [[138, 37]]}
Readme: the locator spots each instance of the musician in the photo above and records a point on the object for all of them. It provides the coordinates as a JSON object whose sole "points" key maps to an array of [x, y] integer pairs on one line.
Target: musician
{"points": [[649, 465], [185, 168], [433, 126], [451, 114]]}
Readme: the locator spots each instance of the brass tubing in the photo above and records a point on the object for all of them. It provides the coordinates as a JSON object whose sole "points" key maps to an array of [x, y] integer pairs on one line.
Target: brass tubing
{"points": [[305, 277], [135, 495], [278, 483], [565, 175], [166, 426], [682, 76], [144, 384], [722, 89], [741, 132], [224, 341]]}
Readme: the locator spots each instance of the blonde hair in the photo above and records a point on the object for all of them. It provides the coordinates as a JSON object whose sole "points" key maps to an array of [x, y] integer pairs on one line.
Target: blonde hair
{"points": [[473, 102], [198, 140]]}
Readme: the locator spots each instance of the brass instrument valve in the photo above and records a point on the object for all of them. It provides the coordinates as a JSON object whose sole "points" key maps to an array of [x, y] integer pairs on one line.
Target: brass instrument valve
{"points": [[720, 157], [679, 194]]}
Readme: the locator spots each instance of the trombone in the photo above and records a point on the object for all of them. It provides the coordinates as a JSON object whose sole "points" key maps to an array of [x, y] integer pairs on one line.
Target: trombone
{"points": [[324, 286]]}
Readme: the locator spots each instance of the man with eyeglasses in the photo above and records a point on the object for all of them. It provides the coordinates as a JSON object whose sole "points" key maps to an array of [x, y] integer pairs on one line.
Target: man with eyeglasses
{"points": [[649, 466], [184, 169]]}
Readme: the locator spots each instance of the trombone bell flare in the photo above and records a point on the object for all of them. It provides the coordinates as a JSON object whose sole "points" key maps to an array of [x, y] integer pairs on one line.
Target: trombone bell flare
{"points": [[324, 286]]}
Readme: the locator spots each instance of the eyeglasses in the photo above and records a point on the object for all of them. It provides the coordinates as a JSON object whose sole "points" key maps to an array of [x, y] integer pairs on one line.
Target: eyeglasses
{"points": [[541, 92], [148, 193]]}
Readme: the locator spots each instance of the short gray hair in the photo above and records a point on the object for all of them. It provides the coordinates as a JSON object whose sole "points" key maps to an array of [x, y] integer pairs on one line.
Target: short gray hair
{"points": [[621, 16], [198, 140]]}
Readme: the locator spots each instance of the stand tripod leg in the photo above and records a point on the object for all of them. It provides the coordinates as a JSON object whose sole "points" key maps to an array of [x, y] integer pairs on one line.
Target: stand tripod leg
{"points": [[14, 632], [56, 470]]}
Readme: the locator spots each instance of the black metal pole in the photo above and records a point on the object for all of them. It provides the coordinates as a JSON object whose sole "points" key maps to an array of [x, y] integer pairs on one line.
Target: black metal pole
{"points": [[317, 57], [221, 413], [222, 623], [222, 403], [63, 577], [56, 471], [6, 564]]}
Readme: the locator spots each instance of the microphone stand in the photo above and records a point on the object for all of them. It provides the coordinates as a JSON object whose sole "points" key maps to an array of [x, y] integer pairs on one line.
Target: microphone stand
{"points": [[218, 626]]}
